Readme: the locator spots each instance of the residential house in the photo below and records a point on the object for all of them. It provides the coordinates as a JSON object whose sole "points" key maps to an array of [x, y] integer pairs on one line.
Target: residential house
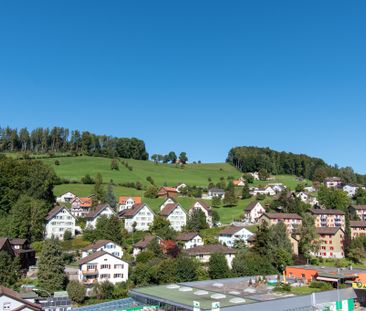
{"points": [[58, 221], [203, 253], [268, 190], [333, 182], [309, 189], [102, 245], [253, 211], [127, 202], [5, 246], [278, 187], [102, 266], [239, 182], [190, 239], [216, 193], [67, 197], [255, 175], [11, 301], [292, 221], [350, 190], [23, 250], [175, 213], [96, 212], [205, 208], [139, 217], [80, 206], [330, 241], [230, 234], [359, 211], [303, 196], [142, 244], [328, 217], [167, 192], [180, 187], [358, 228]]}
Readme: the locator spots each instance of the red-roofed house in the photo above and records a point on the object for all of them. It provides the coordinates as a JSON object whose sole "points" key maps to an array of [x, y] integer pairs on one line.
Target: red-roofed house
{"points": [[167, 192], [80, 206], [127, 202]]}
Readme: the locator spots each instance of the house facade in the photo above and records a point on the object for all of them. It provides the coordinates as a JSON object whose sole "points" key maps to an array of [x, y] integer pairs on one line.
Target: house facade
{"points": [[350, 190], [96, 212], [359, 210], [102, 245], [58, 221], [203, 253], [167, 192], [67, 197], [23, 250], [253, 211], [231, 234], [142, 244], [127, 202], [100, 267], [205, 208], [80, 206], [190, 240], [358, 228], [175, 214], [139, 217], [11, 301], [216, 193], [328, 217], [291, 220], [263, 191], [333, 182], [331, 240]]}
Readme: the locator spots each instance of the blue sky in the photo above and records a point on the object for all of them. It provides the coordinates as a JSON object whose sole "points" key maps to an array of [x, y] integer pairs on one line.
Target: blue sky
{"points": [[195, 76]]}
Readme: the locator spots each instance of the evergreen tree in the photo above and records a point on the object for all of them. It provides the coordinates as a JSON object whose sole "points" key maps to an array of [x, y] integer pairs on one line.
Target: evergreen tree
{"points": [[151, 192], [161, 228], [217, 266], [230, 198], [347, 234], [109, 228], [245, 194], [216, 201], [187, 269], [99, 193], [114, 165], [307, 237], [51, 267], [9, 269], [110, 197]]}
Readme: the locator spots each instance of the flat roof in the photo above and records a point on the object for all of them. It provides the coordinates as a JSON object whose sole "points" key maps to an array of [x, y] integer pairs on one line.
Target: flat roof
{"points": [[331, 270]]}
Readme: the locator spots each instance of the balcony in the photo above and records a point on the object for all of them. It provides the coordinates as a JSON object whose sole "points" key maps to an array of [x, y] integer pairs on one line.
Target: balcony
{"points": [[90, 272], [89, 281]]}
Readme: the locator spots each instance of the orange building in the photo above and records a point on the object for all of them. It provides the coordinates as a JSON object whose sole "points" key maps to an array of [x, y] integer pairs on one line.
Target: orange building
{"points": [[358, 228], [328, 217]]}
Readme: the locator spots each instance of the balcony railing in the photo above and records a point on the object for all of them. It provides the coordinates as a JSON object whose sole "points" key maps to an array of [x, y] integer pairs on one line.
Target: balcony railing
{"points": [[89, 281], [90, 272]]}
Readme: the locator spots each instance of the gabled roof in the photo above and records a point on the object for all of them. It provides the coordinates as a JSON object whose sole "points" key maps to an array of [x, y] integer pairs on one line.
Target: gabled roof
{"points": [[282, 216], [210, 249], [167, 189], [97, 244], [251, 206], [357, 224], [17, 241], [319, 211], [123, 199], [359, 207], [186, 236], [53, 212], [14, 295], [332, 179], [169, 208], [231, 230], [95, 211], [204, 204], [95, 256], [129, 213], [6, 246], [144, 242], [327, 230]]}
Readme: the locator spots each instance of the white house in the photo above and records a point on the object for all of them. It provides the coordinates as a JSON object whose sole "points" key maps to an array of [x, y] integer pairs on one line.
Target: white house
{"points": [[81, 206], [277, 187], [67, 197], [142, 244], [102, 245], [127, 202], [139, 217], [203, 253], [350, 189], [229, 235], [255, 175], [180, 187], [11, 301], [205, 208], [58, 221], [310, 189], [333, 182], [102, 266], [175, 213], [96, 212], [216, 193], [253, 211], [268, 190], [190, 239], [304, 197]]}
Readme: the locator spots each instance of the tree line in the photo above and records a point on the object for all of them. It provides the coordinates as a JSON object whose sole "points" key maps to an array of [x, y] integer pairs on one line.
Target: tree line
{"points": [[255, 159], [60, 139]]}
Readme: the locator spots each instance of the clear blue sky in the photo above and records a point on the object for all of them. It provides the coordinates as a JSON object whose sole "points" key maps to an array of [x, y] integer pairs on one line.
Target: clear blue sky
{"points": [[195, 76]]}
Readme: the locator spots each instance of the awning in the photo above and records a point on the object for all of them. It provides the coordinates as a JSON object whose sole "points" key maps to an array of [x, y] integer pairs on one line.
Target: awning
{"points": [[322, 278]]}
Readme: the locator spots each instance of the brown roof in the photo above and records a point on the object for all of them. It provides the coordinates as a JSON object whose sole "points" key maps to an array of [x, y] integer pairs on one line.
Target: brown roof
{"points": [[92, 257], [231, 230], [251, 206], [14, 295], [128, 213], [95, 211], [282, 216], [143, 243], [204, 204], [357, 223], [210, 249], [168, 209], [319, 211], [360, 207], [167, 189], [96, 245], [327, 230], [54, 212], [18, 241], [186, 236]]}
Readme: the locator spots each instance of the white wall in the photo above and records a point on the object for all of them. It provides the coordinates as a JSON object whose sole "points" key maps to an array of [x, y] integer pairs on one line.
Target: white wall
{"points": [[143, 219], [60, 223]]}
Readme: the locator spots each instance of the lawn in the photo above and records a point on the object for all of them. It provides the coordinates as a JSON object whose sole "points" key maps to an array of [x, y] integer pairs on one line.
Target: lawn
{"points": [[304, 290]]}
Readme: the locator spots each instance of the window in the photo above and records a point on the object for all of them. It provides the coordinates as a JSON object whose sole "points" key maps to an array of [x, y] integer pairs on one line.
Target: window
{"points": [[105, 276], [105, 266], [6, 305], [118, 266], [117, 275]]}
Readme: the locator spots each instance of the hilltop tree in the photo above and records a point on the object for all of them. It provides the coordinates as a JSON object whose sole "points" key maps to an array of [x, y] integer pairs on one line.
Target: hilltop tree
{"points": [[183, 157], [99, 193], [51, 267], [172, 157], [217, 267]]}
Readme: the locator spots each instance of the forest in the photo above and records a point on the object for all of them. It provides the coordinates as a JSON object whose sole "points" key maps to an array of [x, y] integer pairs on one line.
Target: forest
{"points": [[255, 159], [60, 139]]}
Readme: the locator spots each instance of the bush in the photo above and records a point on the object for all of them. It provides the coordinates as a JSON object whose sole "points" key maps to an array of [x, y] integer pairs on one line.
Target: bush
{"points": [[57, 162], [320, 285], [282, 288], [87, 180], [76, 291], [67, 235]]}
